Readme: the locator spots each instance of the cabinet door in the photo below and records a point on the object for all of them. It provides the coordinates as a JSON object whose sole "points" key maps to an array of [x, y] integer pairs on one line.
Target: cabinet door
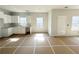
{"points": [[4, 32], [1, 24], [61, 25], [10, 31], [7, 19]]}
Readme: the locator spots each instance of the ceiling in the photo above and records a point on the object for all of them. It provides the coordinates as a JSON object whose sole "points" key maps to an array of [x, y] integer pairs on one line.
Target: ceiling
{"points": [[36, 8]]}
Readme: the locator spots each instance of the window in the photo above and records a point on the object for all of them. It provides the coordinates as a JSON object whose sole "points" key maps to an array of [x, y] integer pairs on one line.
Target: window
{"points": [[75, 23], [39, 22], [22, 20]]}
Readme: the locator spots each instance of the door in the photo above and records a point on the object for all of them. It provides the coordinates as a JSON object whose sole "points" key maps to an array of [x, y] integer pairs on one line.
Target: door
{"points": [[61, 25], [39, 24]]}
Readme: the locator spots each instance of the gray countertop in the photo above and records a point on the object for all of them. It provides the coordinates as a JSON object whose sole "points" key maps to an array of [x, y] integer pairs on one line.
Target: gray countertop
{"points": [[11, 25]]}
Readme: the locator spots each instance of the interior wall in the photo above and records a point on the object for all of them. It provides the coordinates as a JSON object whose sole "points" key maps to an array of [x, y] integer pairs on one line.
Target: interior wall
{"points": [[32, 20], [49, 22], [64, 12]]}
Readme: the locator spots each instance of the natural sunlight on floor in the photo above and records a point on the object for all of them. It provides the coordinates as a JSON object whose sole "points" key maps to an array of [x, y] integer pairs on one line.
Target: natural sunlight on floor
{"points": [[14, 39], [39, 37]]}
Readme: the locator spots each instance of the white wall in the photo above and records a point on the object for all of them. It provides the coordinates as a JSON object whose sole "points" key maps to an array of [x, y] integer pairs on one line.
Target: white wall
{"points": [[63, 12], [50, 22]]}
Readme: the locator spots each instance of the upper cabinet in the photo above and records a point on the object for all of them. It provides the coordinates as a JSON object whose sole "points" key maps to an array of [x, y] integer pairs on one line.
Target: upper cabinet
{"points": [[14, 19], [1, 14], [7, 19]]}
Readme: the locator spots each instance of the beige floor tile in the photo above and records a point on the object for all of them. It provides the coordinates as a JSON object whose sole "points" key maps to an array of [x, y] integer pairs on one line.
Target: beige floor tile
{"points": [[13, 43], [43, 50], [42, 43], [29, 40], [7, 50], [70, 40], [62, 50], [24, 50], [4, 43], [75, 49], [54, 42], [28, 44]]}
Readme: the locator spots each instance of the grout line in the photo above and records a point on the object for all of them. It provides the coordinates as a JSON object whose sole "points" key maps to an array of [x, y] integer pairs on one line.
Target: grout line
{"points": [[43, 46], [5, 44], [68, 47], [34, 47], [51, 46], [18, 46]]}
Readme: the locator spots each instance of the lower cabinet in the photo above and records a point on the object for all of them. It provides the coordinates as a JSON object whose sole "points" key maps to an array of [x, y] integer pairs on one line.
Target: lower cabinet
{"points": [[0, 33], [6, 32], [10, 32], [19, 30]]}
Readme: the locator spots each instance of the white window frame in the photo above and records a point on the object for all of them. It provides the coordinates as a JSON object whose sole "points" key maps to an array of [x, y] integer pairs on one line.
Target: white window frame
{"points": [[22, 22], [75, 23], [38, 24]]}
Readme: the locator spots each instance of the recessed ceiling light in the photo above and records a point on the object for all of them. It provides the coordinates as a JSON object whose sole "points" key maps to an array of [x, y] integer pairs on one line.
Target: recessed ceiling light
{"points": [[66, 7]]}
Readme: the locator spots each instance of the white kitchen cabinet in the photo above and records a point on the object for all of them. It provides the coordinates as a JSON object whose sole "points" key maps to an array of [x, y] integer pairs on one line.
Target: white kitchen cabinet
{"points": [[10, 31], [1, 14], [7, 19], [1, 24], [5, 29], [14, 19], [7, 32], [19, 30], [0, 33]]}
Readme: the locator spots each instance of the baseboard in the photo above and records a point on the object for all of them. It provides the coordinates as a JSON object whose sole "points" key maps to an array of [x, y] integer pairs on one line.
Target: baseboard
{"points": [[39, 32]]}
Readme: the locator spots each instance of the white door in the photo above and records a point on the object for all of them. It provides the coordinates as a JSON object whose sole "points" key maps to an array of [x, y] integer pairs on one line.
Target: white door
{"points": [[61, 25]]}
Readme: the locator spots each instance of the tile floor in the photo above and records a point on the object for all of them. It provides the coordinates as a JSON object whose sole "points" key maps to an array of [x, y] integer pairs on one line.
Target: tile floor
{"points": [[39, 43]]}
